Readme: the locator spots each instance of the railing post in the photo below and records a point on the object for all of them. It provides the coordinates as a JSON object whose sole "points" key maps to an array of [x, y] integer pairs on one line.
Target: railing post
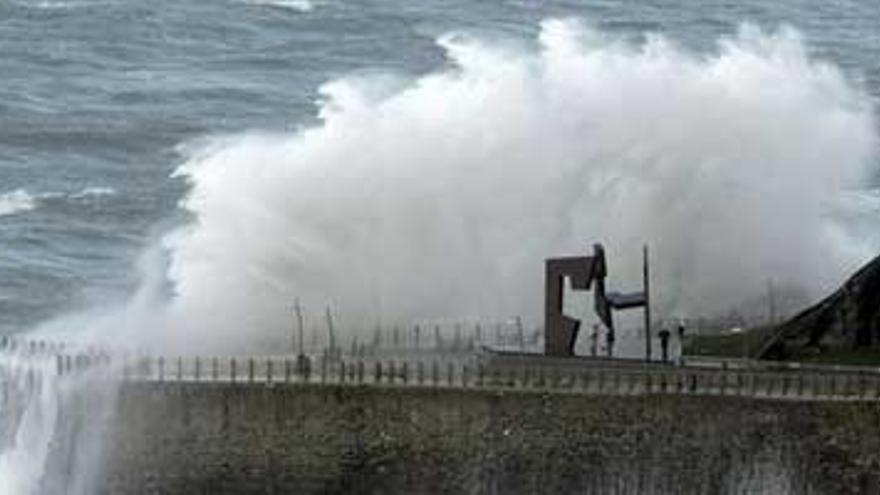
{"points": [[450, 374], [464, 375], [863, 387], [876, 381], [269, 370]]}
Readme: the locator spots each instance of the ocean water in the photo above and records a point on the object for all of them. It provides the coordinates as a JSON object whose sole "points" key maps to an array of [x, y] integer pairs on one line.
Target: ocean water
{"points": [[134, 127]]}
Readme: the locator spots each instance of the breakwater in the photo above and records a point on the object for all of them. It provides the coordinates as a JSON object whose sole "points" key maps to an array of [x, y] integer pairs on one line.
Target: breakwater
{"points": [[305, 438], [455, 424]]}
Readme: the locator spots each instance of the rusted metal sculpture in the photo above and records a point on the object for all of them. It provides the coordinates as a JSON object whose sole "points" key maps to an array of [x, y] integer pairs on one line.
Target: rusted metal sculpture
{"points": [[560, 331]]}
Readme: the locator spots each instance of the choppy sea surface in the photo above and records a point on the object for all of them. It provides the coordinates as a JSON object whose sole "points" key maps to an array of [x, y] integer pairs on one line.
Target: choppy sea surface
{"points": [[97, 97]]}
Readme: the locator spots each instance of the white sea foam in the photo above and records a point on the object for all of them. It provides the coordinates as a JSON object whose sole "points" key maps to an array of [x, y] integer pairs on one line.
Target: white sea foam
{"points": [[298, 5], [441, 199], [16, 201], [20, 200]]}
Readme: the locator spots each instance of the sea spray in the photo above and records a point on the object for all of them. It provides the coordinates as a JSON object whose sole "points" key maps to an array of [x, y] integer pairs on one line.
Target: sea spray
{"points": [[441, 199], [52, 424], [438, 201]]}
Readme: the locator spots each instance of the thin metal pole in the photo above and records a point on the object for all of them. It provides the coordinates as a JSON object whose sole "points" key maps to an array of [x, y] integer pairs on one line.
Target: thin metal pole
{"points": [[299, 320], [330, 331], [521, 335], [647, 285]]}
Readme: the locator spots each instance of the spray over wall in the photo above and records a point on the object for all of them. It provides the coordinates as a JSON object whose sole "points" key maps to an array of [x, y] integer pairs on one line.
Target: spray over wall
{"points": [[440, 197]]}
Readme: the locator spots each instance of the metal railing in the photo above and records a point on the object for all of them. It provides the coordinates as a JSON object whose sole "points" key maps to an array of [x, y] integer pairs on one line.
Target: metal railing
{"points": [[756, 380]]}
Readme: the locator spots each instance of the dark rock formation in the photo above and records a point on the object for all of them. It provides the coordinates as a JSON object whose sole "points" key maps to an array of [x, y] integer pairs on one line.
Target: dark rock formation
{"points": [[849, 318]]}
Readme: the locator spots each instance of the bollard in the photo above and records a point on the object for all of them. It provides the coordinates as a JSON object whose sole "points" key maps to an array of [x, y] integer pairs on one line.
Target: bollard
{"points": [[480, 372], [161, 369], [420, 371], [286, 370], [404, 371], [179, 369], [341, 371], [450, 374], [215, 371], [360, 372], [435, 372], [377, 376], [232, 369], [391, 372], [324, 368], [251, 370], [198, 368]]}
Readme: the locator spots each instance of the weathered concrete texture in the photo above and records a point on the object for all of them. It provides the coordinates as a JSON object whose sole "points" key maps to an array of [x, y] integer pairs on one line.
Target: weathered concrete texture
{"points": [[187, 439]]}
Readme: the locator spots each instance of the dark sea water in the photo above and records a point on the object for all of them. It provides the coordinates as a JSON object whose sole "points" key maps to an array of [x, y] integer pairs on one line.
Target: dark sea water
{"points": [[96, 96]]}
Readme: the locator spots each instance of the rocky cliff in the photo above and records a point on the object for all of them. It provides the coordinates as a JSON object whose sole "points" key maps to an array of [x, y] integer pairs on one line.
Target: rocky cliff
{"points": [[848, 318]]}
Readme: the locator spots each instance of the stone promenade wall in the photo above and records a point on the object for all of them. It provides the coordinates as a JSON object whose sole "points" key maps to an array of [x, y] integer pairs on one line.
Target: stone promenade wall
{"points": [[242, 438]]}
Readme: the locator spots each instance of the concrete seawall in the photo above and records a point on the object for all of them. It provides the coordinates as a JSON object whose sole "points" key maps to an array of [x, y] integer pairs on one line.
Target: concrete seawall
{"points": [[305, 438]]}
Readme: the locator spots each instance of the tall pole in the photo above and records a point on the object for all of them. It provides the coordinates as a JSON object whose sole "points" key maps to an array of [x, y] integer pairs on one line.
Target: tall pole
{"points": [[521, 335], [299, 321], [647, 284], [330, 331]]}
